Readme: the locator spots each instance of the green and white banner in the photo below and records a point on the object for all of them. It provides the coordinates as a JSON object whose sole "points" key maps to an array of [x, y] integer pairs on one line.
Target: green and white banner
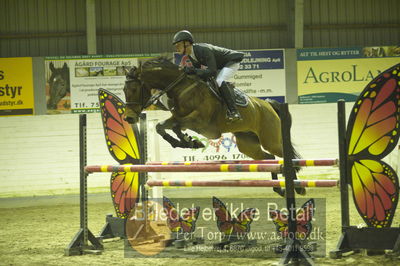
{"points": [[328, 74], [72, 82]]}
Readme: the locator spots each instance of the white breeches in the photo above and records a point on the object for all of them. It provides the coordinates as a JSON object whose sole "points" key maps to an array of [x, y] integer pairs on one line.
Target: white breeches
{"points": [[227, 72]]}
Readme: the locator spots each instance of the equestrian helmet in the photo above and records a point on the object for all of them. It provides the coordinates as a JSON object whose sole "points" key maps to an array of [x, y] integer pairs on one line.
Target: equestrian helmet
{"points": [[182, 35]]}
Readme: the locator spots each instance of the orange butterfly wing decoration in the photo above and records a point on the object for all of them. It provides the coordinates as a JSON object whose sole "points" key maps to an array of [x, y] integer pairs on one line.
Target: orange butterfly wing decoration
{"points": [[372, 133], [180, 224], [303, 220], [121, 139], [231, 225]]}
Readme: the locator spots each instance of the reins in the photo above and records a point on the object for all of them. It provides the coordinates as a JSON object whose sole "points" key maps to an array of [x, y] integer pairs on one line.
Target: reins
{"points": [[167, 89], [154, 97]]}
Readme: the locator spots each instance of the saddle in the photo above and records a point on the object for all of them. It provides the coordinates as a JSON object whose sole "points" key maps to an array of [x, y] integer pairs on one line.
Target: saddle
{"points": [[241, 98]]}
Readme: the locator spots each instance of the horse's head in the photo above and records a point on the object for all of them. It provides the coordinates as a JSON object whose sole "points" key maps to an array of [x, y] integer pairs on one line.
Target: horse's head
{"points": [[136, 95], [59, 85]]}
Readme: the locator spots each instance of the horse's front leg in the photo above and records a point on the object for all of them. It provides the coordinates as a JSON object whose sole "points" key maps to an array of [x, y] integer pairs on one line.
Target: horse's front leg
{"points": [[170, 123], [187, 140]]}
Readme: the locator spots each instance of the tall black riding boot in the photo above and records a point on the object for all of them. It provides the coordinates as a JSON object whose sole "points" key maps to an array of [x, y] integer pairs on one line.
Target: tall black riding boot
{"points": [[228, 96]]}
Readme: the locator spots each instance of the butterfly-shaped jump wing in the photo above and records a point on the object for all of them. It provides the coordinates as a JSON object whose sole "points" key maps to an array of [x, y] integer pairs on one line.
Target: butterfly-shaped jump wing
{"points": [[124, 192], [121, 139], [372, 133]]}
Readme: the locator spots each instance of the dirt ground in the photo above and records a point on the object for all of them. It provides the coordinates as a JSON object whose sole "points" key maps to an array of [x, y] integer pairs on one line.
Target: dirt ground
{"points": [[35, 231]]}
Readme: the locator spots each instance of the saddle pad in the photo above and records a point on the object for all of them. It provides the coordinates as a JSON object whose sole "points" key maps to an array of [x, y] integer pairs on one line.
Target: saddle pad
{"points": [[241, 98]]}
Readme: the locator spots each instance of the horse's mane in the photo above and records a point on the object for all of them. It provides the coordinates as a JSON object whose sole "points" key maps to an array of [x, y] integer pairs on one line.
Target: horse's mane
{"points": [[164, 62], [167, 67]]}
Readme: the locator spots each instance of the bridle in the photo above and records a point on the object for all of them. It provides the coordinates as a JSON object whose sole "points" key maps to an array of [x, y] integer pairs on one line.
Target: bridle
{"points": [[154, 97], [141, 103], [172, 85]]}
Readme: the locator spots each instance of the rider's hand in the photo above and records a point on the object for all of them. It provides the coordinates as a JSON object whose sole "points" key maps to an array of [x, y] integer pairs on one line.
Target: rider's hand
{"points": [[189, 70]]}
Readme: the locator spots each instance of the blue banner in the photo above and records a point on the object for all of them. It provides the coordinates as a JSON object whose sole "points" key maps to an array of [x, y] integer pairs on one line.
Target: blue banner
{"points": [[262, 59], [261, 73]]}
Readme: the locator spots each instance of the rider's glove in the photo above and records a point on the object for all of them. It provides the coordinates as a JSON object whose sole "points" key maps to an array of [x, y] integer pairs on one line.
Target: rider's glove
{"points": [[189, 70]]}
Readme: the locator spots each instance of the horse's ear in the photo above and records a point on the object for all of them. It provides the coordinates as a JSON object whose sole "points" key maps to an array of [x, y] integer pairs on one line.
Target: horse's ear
{"points": [[130, 73], [52, 68], [65, 66], [126, 70]]}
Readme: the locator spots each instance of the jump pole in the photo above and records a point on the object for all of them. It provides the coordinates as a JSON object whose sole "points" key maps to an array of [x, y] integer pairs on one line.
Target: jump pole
{"points": [[293, 251], [241, 183], [344, 189], [296, 162], [275, 168], [80, 243]]}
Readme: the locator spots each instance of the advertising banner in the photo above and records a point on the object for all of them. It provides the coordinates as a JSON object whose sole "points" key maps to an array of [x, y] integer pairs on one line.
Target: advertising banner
{"points": [[16, 86], [261, 73], [328, 74], [72, 82]]}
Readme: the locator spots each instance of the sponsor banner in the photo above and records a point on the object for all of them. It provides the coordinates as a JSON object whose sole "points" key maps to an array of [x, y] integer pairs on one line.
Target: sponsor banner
{"points": [[328, 53], [16, 86], [73, 82], [329, 74], [261, 73]]}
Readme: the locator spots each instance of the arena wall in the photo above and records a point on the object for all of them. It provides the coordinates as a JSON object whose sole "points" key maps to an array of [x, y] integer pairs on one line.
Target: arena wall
{"points": [[39, 154]]}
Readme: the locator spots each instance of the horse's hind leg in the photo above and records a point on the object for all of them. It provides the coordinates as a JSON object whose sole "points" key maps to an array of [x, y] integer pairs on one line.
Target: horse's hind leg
{"points": [[249, 144]]}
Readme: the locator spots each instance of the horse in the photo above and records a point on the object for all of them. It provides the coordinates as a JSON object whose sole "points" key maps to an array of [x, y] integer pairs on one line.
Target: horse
{"points": [[59, 85], [193, 106]]}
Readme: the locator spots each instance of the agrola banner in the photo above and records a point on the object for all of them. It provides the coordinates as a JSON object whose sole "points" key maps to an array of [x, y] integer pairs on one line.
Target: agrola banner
{"points": [[328, 74]]}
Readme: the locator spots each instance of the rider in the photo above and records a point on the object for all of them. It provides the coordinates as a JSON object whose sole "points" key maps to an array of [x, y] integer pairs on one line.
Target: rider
{"points": [[221, 64]]}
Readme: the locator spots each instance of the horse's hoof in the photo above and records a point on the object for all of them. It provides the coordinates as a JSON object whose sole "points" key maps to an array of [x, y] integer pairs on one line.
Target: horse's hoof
{"points": [[187, 138], [280, 191], [197, 144], [300, 190]]}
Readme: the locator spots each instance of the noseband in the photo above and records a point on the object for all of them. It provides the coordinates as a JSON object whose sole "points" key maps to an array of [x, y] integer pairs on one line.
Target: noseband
{"points": [[141, 103]]}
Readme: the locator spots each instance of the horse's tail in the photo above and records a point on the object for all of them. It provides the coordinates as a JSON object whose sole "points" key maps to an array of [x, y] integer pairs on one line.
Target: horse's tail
{"points": [[277, 107]]}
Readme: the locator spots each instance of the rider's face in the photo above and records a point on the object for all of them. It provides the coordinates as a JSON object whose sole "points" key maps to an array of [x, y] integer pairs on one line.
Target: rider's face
{"points": [[180, 47]]}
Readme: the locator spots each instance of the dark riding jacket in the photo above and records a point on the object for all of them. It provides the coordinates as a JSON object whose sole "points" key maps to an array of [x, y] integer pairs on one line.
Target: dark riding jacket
{"points": [[214, 57]]}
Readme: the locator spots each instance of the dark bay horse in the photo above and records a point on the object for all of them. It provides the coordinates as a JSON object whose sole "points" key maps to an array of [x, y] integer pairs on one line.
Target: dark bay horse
{"points": [[59, 85], [195, 107]]}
